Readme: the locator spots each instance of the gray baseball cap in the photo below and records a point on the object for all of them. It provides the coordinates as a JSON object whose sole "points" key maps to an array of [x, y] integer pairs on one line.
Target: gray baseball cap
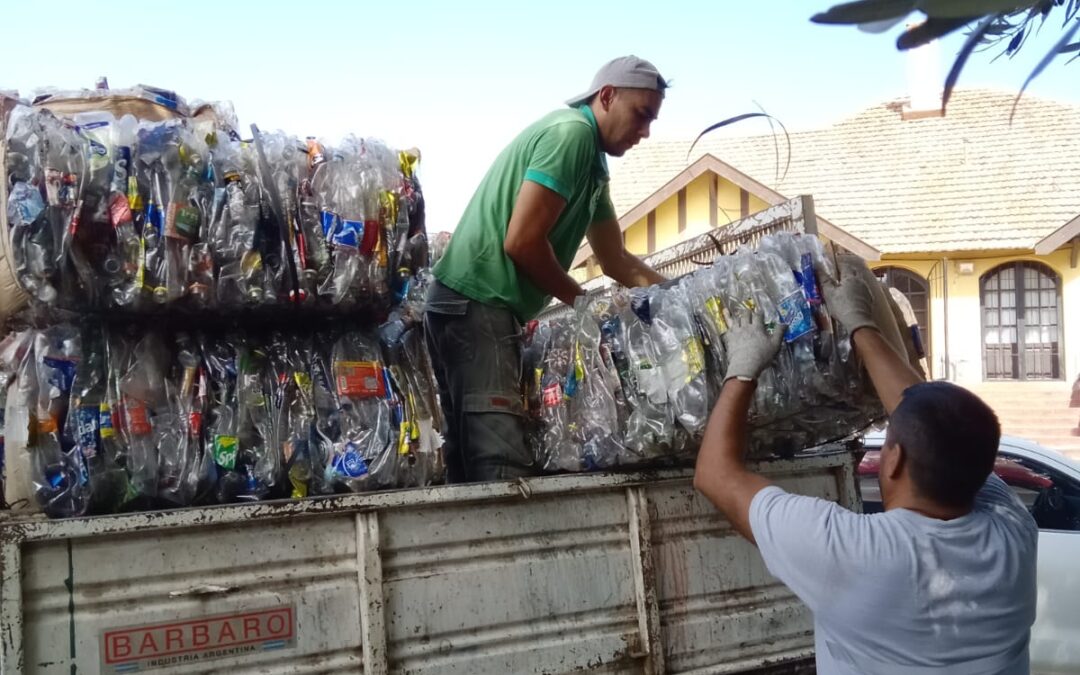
{"points": [[625, 71]]}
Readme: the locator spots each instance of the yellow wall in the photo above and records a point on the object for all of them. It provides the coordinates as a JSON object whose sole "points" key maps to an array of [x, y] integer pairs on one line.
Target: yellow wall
{"points": [[697, 207], [637, 241], [697, 215], [965, 314], [667, 224]]}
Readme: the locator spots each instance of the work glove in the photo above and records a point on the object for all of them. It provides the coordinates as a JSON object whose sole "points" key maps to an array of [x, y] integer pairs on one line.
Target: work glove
{"points": [[851, 302], [859, 300], [750, 348]]}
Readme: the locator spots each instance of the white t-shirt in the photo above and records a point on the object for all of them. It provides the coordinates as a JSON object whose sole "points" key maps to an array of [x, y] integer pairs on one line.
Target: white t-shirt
{"points": [[900, 593]]}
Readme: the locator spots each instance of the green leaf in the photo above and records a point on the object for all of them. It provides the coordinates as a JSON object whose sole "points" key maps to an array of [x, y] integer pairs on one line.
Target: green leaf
{"points": [[865, 11], [955, 9], [962, 57], [1050, 56]]}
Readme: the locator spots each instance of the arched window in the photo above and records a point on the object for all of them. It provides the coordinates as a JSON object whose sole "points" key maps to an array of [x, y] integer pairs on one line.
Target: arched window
{"points": [[1021, 322], [917, 291]]}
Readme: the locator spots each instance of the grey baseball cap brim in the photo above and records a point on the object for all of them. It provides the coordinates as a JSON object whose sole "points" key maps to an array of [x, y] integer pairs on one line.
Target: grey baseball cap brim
{"points": [[625, 71]]}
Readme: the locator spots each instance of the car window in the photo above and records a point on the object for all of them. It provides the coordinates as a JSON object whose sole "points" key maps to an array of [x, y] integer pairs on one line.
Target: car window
{"points": [[1052, 497]]}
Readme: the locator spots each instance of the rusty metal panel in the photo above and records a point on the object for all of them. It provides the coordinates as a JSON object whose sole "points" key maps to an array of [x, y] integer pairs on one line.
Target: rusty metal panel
{"points": [[601, 573], [76, 590], [721, 611], [537, 585]]}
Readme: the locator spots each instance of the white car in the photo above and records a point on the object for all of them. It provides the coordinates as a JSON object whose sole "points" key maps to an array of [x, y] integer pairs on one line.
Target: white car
{"points": [[1049, 485]]}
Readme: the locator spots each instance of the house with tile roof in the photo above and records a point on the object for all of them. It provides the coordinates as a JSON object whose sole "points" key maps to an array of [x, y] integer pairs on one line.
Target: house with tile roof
{"points": [[974, 218]]}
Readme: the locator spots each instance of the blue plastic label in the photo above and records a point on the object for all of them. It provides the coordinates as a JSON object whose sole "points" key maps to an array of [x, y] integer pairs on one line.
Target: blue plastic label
{"points": [[350, 463], [64, 373], [349, 234], [87, 419], [807, 278], [24, 204], [795, 314], [329, 222]]}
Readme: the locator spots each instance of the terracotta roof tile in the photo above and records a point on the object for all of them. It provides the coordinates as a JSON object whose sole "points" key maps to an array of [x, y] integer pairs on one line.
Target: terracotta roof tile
{"points": [[967, 181]]}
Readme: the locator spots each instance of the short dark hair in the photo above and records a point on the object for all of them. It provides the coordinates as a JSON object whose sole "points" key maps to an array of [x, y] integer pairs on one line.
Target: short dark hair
{"points": [[950, 440]]}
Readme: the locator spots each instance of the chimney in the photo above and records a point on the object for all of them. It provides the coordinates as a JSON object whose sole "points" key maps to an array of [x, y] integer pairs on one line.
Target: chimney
{"points": [[924, 82]]}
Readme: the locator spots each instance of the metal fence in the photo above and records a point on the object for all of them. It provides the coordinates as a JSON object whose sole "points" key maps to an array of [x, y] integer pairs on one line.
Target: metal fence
{"points": [[794, 215]]}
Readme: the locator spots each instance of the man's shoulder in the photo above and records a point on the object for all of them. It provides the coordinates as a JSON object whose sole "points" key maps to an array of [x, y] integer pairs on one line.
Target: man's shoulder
{"points": [[566, 120]]}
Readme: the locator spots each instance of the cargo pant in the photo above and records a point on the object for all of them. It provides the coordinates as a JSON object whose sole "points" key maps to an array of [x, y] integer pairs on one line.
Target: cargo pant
{"points": [[476, 353]]}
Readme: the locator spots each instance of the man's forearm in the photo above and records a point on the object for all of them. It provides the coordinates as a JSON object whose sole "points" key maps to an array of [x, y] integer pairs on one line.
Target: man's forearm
{"points": [[539, 264], [890, 373], [724, 442], [721, 473], [630, 271]]}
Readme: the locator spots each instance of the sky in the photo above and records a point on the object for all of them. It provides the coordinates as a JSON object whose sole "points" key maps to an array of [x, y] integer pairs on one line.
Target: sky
{"points": [[460, 80]]}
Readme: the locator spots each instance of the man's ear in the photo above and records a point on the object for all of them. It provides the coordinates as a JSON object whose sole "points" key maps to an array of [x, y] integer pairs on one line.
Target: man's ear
{"points": [[894, 462], [606, 96]]}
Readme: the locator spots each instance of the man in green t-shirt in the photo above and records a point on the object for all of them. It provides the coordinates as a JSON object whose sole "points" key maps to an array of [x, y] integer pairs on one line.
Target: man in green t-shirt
{"points": [[510, 253]]}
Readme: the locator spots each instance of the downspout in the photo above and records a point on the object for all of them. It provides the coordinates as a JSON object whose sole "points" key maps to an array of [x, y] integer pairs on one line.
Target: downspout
{"points": [[945, 312]]}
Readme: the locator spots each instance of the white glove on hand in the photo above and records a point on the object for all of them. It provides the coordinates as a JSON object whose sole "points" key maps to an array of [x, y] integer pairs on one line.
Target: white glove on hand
{"points": [[750, 348], [850, 302]]}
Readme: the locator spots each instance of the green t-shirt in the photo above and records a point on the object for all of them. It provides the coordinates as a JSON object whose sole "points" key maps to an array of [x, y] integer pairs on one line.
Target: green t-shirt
{"points": [[562, 153]]}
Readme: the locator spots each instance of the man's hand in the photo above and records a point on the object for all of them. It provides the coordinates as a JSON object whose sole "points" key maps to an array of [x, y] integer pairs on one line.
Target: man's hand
{"points": [[606, 241], [850, 302], [750, 348]]}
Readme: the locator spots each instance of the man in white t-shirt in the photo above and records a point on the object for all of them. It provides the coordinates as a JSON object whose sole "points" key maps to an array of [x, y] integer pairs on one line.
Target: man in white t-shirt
{"points": [[944, 580]]}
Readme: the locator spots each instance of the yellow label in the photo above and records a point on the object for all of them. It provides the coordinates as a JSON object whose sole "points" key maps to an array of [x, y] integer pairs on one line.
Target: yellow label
{"points": [[403, 438], [694, 357], [715, 307], [303, 382]]}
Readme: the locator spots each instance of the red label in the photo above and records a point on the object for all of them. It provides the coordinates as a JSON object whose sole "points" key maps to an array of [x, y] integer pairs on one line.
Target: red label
{"points": [[371, 236], [119, 210], [359, 379], [191, 642], [552, 395], [137, 417], [73, 226], [195, 423]]}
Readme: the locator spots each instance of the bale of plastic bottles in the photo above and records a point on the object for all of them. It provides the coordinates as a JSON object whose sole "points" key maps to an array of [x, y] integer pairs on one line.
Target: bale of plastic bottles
{"points": [[209, 318], [122, 419], [630, 377], [111, 212]]}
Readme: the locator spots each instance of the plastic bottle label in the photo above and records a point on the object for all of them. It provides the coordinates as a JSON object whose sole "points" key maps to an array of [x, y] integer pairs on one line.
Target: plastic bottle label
{"points": [[138, 419], [715, 307], [795, 314], [350, 463], [369, 236], [195, 423], [807, 277], [119, 210], [359, 379], [87, 419], [225, 448], [187, 221], [105, 421], [349, 234], [328, 220], [552, 395], [181, 222], [694, 356]]}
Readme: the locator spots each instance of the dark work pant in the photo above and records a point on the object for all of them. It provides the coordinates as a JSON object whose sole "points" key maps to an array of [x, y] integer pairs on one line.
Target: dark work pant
{"points": [[476, 352]]}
